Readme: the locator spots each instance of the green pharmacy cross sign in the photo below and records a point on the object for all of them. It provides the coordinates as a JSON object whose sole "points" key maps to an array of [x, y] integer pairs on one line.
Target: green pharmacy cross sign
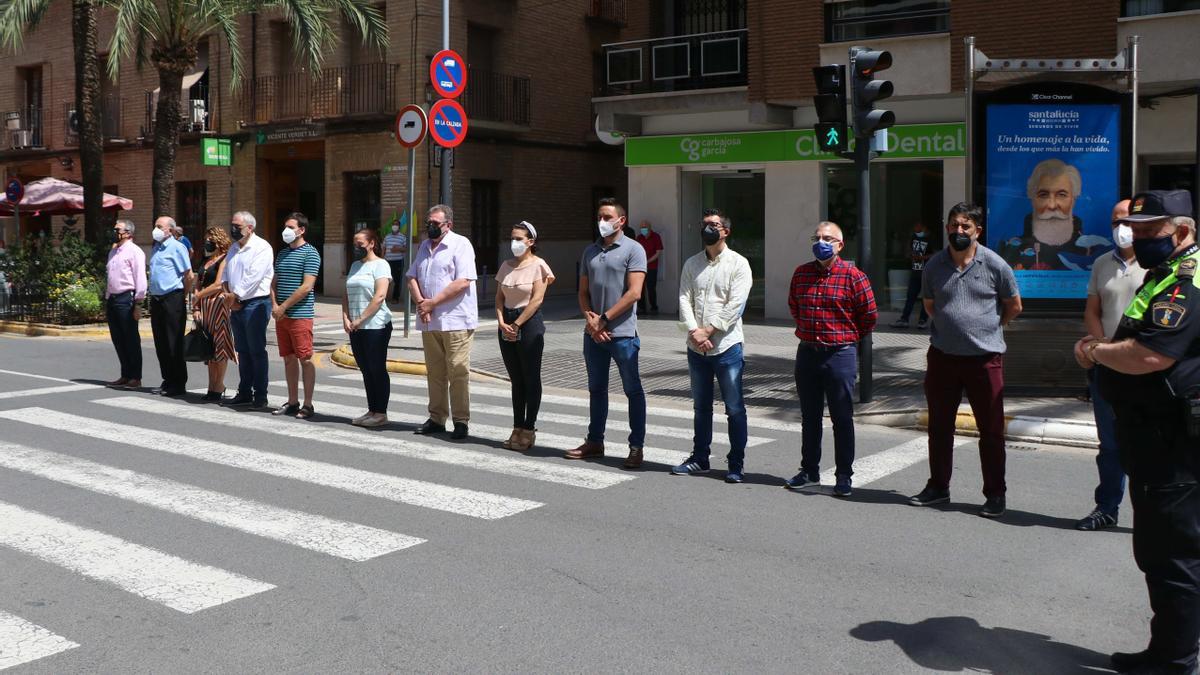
{"points": [[216, 151]]}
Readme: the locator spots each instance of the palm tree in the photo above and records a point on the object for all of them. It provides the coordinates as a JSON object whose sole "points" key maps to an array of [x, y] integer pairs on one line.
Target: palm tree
{"points": [[168, 32]]}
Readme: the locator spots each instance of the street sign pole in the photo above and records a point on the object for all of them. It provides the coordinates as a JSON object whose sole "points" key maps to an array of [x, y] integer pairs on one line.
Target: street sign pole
{"points": [[862, 164], [412, 233], [446, 183]]}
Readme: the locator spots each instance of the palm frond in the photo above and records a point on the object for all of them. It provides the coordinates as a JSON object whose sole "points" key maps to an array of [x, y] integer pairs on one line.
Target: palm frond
{"points": [[311, 33], [135, 22], [366, 19], [16, 16]]}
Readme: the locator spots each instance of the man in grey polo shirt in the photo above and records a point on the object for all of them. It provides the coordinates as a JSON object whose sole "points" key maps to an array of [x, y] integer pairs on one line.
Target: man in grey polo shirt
{"points": [[970, 293], [610, 283]]}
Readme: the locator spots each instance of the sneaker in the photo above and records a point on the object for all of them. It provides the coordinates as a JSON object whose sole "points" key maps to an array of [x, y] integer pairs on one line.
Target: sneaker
{"points": [[259, 404], [239, 401], [690, 467], [900, 323], [289, 409], [842, 488], [734, 475], [1096, 520], [993, 507], [930, 496], [801, 481], [460, 431], [922, 324], [374, 420]]}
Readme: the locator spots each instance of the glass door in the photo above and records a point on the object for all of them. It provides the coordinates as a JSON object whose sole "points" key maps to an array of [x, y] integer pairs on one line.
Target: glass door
{"points": [[742, 197]]}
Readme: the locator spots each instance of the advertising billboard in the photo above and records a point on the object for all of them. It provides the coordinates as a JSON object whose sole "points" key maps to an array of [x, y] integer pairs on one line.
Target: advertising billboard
{"points": [[1053, 159]]}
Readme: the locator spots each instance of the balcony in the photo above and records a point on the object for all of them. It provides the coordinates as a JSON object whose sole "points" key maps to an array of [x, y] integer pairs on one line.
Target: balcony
{"points": [[193, 112], [496, 97], [366, 90], [24, 129], [607, 12], [111, 129], [683, 63]]}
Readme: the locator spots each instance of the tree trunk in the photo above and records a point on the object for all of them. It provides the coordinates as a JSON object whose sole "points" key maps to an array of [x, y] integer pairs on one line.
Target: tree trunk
{"points": [[87, 94], [167, 122]]}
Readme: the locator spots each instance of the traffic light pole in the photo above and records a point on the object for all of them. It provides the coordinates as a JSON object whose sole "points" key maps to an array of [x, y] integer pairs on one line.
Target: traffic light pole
{"points": [[446, 184], [862, 164]]}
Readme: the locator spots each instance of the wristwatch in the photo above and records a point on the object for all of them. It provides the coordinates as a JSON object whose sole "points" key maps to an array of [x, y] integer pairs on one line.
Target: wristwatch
{"points": [[604, 317]]}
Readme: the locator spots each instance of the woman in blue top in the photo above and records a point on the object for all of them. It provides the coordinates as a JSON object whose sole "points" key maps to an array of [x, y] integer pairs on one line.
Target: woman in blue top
{"points": [[368, 322]]}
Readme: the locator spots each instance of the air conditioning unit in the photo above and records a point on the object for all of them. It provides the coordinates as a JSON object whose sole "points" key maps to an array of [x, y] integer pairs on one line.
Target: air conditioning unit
{"points": [[21, 138], [73, 122], [199, 114]]}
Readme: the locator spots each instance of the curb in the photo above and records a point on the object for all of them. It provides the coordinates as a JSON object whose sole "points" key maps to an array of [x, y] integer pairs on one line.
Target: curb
{"points": [[32, 329], [1023, 428], [343, 357]]}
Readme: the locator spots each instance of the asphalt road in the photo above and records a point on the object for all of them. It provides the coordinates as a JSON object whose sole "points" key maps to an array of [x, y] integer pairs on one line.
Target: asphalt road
{"points": [[145, 535]]}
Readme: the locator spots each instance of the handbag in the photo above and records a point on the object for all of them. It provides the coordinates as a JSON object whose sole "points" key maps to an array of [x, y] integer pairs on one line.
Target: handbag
{"points": [[198, 344]]}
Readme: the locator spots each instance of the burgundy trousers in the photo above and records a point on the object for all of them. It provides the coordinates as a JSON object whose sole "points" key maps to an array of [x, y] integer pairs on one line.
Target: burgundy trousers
{"points": [[982, 378]]}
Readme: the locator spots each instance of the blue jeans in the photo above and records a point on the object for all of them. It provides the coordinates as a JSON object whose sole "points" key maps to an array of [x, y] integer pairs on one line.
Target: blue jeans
{"points": [[913, 297], [821, 376], [727, 368], [249, 326], [1111, 489], [597, 356]]}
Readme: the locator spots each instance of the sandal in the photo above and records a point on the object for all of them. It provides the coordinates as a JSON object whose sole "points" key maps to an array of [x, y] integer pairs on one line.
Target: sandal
{"points": [[305, 412]]}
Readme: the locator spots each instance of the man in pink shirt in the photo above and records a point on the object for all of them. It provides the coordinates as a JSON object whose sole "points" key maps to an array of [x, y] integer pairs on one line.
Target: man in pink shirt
{"points": [[126, 277]]}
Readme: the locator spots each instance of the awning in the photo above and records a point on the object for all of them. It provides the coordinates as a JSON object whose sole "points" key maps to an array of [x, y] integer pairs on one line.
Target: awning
{"points": [[193, 77]]}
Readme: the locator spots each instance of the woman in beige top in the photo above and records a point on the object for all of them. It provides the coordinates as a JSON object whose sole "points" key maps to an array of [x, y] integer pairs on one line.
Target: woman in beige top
{"points": [[520, 287]]}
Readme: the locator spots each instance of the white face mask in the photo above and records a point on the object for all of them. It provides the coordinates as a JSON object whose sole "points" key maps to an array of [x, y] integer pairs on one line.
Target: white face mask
{"points": [[289, 235], [396, 228], [1123, 236], [607, 228], [159, 235], [519, 247]]}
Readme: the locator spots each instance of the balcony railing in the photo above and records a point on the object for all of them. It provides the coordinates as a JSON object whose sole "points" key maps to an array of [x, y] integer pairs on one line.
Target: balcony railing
{"points": [[611, 11], [24, 128], [687, 62], [193, 112], [111, 122], [496, 97], [351, 91]]}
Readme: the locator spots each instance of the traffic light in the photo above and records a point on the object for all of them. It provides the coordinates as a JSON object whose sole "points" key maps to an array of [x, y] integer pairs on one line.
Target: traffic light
{"points": [[830, 103], [866, 91]]}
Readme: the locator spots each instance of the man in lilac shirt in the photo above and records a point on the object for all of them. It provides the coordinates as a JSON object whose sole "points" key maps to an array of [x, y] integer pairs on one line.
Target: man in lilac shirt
{"points": [[442, 282], [126, 278]]}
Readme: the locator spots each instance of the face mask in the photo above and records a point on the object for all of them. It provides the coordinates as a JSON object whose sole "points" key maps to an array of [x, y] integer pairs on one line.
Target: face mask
{"points": [[710, 235], [396, 229], [919, 235], [519, 247], [433, 230], [645, 231], [359, 253], [114, 237], [606, 228], [1123, 236], [960, 241], [209, 248], [823, 250], [235, 233], [159, 235], [1151, 253], [289, 235]]}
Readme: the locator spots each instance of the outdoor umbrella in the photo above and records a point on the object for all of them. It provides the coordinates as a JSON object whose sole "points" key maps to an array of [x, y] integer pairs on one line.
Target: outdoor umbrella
{"points": [[53, 197]]}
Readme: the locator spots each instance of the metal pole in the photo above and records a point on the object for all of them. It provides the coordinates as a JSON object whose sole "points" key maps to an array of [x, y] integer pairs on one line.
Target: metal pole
{"points": [[447, 155], [1133, 77], [862, 164], [412, 233], [968, 127]]}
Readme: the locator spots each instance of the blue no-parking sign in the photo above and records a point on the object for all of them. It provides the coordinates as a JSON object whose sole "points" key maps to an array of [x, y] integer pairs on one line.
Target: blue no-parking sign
{"points": [[448, 73], [448, 123]]}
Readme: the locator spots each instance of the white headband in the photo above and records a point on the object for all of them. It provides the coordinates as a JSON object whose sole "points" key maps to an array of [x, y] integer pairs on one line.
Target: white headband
{"points": [[529, 226]]}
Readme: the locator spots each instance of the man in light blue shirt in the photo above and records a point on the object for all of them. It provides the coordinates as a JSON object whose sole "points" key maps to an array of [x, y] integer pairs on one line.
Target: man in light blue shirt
{"points": [[169, 287]]}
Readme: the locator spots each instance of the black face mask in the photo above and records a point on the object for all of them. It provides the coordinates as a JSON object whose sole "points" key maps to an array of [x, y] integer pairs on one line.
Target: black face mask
{"points": [[359, 253], [1151, 253], [114, 237], [710, 235], [235, 233], [210, 248], [960, 241], [433, 230]]}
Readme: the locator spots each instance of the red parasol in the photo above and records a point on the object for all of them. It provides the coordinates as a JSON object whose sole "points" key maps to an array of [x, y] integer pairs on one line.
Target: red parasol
{"points": [[53, 197]]}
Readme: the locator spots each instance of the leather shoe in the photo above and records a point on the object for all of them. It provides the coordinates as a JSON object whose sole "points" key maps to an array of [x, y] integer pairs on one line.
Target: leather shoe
{"points": [[133, 384], [430, 427], [118, 382], [460, 431], [1123, 661], [635, 458], [586, 450], [239, 401]]}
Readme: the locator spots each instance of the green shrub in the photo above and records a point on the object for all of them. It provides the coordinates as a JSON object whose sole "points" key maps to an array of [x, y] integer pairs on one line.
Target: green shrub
{"points": [[82, 302]]}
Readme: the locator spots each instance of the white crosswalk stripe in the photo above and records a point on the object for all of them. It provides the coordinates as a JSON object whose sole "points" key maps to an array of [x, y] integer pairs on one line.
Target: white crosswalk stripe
{"points": [[871, 468], [152, 574], [22, 641], [544, 439], [460, 501], [326, 535], [42, 391], [615, 404]]}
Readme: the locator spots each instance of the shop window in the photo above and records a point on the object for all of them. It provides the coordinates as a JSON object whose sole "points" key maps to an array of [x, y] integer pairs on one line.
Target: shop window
{"points": [[864, 19], [191, 209], [1144, 7]]}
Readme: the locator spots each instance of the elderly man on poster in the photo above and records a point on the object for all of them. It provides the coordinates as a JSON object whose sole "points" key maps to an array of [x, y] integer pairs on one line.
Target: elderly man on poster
{"points": [[1053, 238]]}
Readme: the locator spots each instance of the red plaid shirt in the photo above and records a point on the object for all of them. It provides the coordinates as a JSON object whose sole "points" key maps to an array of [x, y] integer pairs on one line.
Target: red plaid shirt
{"points": [[833, 306]]}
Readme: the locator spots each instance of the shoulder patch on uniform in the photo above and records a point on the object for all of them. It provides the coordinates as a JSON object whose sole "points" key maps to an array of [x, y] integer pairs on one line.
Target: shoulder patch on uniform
{"points": [[1187, 269], [1167, 314]]}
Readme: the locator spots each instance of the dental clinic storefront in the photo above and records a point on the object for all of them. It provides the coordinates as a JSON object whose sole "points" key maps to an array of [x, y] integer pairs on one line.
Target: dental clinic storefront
{"points": [[776, 185]]}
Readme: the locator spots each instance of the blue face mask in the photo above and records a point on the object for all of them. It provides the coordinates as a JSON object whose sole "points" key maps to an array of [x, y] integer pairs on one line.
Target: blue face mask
{"points": [[823, 250], [1151, 253]]}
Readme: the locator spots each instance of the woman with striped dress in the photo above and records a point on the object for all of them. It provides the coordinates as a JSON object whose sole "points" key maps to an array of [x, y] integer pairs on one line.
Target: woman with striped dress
{"points": [[212, 313]]}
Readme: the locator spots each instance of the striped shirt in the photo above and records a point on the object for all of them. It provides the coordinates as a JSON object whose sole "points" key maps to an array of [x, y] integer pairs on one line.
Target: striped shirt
{"points": [[291, 266], [394, 239], [833, 306]]}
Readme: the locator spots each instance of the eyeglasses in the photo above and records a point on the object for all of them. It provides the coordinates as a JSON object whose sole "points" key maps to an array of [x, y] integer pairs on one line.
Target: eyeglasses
{"points": [[436, 222], [827, 238]]}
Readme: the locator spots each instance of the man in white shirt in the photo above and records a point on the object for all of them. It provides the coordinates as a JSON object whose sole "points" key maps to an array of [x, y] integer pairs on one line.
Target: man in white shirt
{"points": [[1115, 279], [713, 290], [249, 269], [395, 245]]}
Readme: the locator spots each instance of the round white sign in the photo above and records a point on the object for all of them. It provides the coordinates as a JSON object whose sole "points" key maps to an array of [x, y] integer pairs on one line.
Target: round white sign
{"points": [[411, 126]]}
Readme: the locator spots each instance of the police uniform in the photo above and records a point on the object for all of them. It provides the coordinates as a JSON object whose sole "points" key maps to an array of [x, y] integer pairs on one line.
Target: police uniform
{"points": [[1160, 454]]}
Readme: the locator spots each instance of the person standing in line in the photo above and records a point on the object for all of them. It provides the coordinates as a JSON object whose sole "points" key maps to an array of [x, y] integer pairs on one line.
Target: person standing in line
{"points": [[247, 283], [125, 280], [442, 282], [834, 307], [395, 247], [971, 294], [368, 322], [212, 313], [713, 290], [919, 248], [294, 308], [610, 280], [521, 284], [1114, 281], [177, 233], [653, 245], [170, 285]]}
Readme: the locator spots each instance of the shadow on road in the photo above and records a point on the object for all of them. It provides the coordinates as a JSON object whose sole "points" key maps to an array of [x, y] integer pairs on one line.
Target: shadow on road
{"points": [[959, 643]]}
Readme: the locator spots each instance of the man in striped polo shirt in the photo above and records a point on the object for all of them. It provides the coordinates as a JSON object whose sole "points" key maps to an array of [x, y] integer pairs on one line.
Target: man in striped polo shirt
{"points": [[296, 269]]}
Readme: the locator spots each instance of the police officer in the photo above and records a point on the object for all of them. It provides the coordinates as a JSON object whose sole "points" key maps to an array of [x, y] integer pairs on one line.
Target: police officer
{"points": [[1150, 371]]}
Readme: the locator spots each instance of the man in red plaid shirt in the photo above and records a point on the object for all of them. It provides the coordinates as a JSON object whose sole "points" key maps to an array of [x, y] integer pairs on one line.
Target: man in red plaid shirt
{"points": [[832, 303]]}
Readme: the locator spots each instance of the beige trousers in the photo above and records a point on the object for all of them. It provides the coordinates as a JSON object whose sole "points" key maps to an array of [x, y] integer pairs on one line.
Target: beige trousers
{"points": [[448, 366]]}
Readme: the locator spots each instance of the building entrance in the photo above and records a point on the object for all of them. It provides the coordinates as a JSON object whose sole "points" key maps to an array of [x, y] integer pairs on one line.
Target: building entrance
{"points": [[742, 196], [295, 182]]}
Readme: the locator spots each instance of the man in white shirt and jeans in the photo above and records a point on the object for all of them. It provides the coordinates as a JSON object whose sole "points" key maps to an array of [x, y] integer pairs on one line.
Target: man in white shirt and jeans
{"points": [[713, 290], [249, 269]]}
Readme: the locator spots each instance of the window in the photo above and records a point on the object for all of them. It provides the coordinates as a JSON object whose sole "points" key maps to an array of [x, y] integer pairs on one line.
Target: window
{"points": [[485, 224], [191, 209], [709, 16], [362, 205], [862, 19], [1144, 7]]}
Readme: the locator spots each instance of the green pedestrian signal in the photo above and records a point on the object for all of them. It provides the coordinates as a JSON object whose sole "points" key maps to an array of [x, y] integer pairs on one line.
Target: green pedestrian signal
{"points": [[831, 137]]}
